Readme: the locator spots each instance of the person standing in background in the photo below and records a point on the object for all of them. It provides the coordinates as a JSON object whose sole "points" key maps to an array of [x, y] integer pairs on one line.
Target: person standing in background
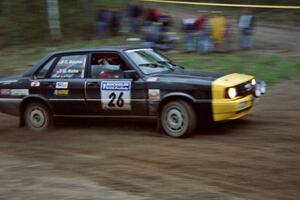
{"points": [[189, 29], [102, 23], [135, 12], [246, 26], [204, 29], [115, 23], [218, 30], [228, 35]]}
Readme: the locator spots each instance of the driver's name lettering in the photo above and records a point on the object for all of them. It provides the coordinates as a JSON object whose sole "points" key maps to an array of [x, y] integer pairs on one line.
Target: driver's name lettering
{"points": [[70, 62], [116, 95], [68, 71]]}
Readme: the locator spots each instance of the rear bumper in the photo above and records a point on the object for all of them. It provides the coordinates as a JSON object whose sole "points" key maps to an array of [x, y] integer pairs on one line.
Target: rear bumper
{"points": [[10, 106], [226, 109]]}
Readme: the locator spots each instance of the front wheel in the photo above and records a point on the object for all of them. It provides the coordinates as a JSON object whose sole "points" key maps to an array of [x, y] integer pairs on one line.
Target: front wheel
{"points": [[178, 119], [37, 117]]}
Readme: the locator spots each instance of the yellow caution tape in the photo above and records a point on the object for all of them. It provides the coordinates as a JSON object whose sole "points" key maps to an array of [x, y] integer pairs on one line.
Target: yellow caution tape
{"points": [[223, 4]]}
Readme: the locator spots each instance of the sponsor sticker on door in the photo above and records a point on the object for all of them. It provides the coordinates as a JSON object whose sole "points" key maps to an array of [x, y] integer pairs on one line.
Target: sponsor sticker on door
{"points": [[61, 92], [116, 95], [61, 85]]}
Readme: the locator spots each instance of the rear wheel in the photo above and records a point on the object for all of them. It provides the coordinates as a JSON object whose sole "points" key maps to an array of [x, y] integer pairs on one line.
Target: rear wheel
{"points": [[178, 119], [38, 117]]}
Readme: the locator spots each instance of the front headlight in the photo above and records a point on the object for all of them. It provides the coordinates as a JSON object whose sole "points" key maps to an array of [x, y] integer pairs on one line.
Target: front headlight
{"points": [[253, 82], [232, 92]]}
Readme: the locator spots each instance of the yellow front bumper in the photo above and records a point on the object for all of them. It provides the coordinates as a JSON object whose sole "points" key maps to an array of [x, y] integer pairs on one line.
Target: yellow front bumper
{"points": [[228, 109]]}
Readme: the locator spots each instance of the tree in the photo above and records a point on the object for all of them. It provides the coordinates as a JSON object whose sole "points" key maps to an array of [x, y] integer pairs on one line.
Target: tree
{"points": [[53, 19]]}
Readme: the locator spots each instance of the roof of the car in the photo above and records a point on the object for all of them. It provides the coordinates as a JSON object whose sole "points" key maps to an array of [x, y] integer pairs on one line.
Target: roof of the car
{"points": [[115, 48]]}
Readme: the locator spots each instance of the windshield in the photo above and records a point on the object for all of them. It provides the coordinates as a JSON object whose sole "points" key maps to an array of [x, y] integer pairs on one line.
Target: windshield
{"points": [[149, 61]]}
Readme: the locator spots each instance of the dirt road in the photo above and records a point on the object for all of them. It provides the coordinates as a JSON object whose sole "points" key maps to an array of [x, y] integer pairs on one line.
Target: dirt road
{"points": [[257, 157]]}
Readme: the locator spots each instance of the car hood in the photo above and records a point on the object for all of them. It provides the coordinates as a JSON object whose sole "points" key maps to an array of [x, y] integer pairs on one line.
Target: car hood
{"points": [[189, 76]]}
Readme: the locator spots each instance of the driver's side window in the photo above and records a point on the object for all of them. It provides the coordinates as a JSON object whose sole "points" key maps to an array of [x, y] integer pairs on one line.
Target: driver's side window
{"points": [[107, 66]]}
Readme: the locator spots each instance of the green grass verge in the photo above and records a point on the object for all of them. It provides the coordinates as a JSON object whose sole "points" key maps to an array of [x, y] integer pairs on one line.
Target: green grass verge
{"points": [[271, 68]]}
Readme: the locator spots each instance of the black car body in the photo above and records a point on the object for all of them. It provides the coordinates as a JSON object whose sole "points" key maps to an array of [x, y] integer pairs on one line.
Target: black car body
{"points": [[125, 82]]}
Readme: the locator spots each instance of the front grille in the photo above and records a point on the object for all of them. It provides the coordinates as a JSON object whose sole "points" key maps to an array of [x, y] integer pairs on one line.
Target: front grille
{"points": [[243, 110], [245, 89]]}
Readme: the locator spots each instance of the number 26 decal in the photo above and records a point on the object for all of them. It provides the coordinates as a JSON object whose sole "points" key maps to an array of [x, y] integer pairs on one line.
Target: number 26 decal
{"points": [[113, 102], [115, 95]]}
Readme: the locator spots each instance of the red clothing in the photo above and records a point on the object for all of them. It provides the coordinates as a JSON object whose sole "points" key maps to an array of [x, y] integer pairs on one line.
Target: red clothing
{"points": [[200, 22], [153, 14]]}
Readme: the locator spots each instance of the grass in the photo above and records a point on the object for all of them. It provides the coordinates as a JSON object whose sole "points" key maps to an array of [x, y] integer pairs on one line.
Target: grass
{"points": [[271, 68]]}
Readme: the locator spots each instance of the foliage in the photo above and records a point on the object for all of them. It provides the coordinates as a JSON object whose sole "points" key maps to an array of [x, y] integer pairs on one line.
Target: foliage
{"points": [[22, 21], [26, 21]]}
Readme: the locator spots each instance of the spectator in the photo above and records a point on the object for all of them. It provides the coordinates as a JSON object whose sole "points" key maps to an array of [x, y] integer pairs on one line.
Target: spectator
{"points": [[153, 15], [102, 22], [151, 33], [246, 26], [115, 23], [165, 42], [135, 12], [189, 29], [204, 28], [218, 29], [228, 34]]}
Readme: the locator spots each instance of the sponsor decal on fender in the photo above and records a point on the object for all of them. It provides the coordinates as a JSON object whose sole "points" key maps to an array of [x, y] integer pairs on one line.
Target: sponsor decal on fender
{"points": [[154, 94]]}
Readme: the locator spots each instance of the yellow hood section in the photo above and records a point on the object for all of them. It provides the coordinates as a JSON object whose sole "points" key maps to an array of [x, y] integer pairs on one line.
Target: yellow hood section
{"points": [[226, 109], [230, 80]]}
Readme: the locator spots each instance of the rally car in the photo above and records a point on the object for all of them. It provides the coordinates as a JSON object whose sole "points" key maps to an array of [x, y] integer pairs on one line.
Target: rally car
{"points": [[125, 83]]}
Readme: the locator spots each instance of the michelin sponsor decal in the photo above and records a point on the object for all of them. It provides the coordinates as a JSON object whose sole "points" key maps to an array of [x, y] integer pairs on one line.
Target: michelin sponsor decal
{"points": [[116, 95]]}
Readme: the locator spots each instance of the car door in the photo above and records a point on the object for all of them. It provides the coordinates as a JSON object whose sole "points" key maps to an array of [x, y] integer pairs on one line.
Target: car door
{"points": [[108, 92], [63, 85]]}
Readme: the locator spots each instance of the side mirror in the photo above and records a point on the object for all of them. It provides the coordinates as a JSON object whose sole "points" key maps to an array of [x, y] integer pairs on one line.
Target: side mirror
{"points": [[131, 74]]}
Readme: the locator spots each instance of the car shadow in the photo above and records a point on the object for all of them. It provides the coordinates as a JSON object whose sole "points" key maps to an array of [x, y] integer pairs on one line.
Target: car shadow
{"points": [[148, 126]]}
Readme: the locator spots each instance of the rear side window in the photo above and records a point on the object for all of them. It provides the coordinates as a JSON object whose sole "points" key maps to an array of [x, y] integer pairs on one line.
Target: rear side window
{"points": [[70, 67], [43, 71]]}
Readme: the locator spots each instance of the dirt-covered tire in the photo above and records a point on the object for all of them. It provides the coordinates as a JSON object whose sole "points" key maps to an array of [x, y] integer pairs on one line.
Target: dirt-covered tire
{"points": [[38, 117], [178, 119]]}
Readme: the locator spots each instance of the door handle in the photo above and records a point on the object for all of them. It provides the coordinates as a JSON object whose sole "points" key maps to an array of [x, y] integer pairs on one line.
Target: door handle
{"points": [[92, 84], [48, 84]]}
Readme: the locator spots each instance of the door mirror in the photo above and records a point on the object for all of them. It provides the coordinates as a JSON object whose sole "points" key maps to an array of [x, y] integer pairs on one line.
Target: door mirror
{"points": [[131, 74]]}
